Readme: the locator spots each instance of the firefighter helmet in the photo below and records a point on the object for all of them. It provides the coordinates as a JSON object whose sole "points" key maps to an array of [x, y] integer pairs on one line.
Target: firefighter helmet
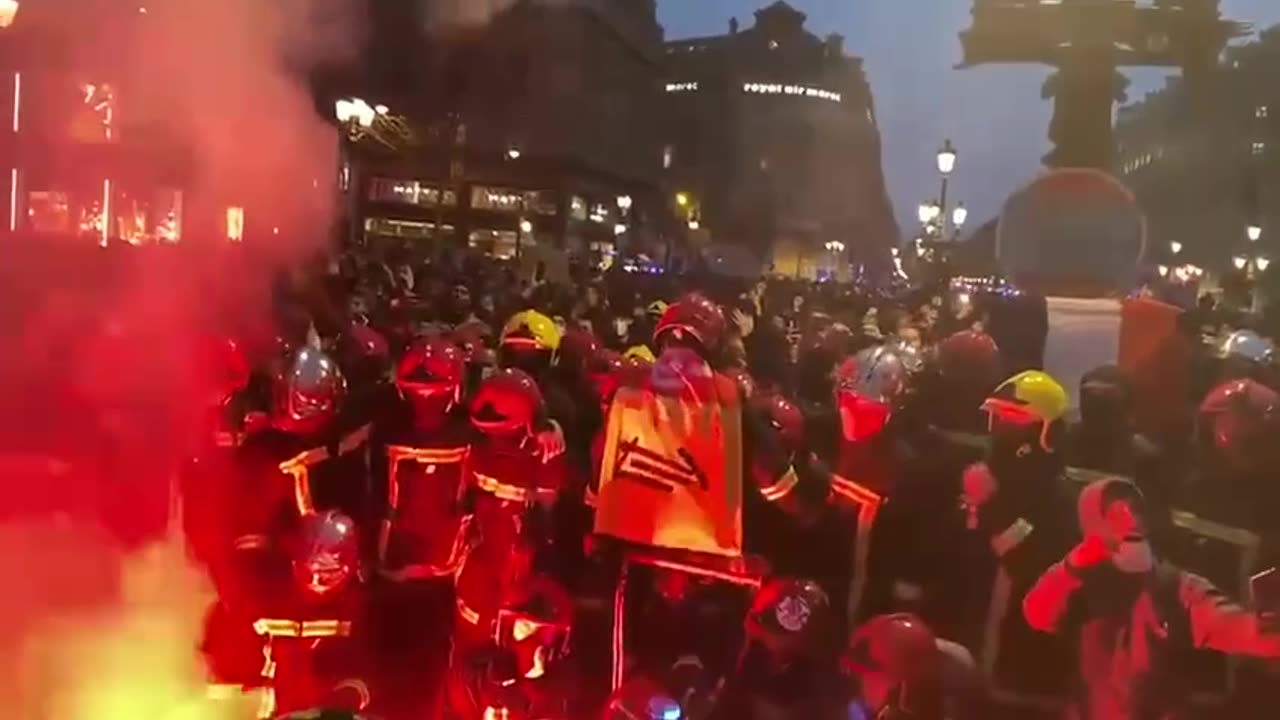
{"points": [[693, 317], [640, 352], [508, 401], [789, 615], [877, 374], [740, 377], [1238, 420], [969, 359], [657, 308], [785, 418], [578, 349], [1249, 346], [1032, 397], [530, 330], [430, 375], [898, 660], [308, 394], [327, 552]]}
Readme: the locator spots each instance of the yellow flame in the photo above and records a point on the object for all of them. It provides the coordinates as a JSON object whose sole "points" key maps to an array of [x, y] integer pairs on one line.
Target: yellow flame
{"points": [[128, 653]]}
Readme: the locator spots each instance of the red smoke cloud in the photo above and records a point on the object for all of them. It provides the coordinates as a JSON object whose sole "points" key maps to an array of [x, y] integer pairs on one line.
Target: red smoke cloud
{"points": [[102, 388]]}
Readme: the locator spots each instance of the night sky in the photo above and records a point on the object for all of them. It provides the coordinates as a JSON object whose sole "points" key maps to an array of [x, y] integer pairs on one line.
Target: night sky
{"points": [[993, 114]]}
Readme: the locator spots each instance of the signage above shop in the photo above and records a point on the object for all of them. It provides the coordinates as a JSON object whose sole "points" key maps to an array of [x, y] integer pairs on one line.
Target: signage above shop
{"points": [[799, 90]]}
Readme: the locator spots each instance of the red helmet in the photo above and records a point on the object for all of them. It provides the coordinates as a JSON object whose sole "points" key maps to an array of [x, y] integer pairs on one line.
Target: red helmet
{"points": [[363, 342], [1239, 419], [327, 552], [578, 349], [970, 359], [605, 372], [430, 376], [789, 614], [785, 417], [695, 317], [898, 659], [308, 393], [508, 401]]}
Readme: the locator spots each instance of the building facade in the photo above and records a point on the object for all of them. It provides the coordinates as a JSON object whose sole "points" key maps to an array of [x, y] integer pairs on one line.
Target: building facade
{"points": [[1206, 168], [771, 142], [535, 131]]}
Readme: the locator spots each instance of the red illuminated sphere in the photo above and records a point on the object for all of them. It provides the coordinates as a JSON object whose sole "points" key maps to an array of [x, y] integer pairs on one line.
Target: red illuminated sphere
{"points": [[1072, 231]]}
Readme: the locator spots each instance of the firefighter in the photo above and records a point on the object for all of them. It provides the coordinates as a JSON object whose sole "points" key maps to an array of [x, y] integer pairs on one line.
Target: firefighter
{"points": [[423, 530], [298, 631], [524, 668], [1016, 503], [899, 669], [686, 430], [305, 461], [1135, 618], [512, 489], [789, 668]]}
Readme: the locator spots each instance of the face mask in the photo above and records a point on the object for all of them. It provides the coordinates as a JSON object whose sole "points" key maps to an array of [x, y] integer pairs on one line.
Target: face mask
{"points": [[1134, 557]]}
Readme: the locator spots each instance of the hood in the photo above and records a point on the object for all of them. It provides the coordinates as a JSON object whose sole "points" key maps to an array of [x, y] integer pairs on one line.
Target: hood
{"points": [[1095, 498]]}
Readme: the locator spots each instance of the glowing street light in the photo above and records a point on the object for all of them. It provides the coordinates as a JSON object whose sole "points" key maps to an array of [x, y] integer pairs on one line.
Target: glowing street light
{"points": [[513, 153], [1239, 261], [947, 158], [355, 110], [624, 202], [8, 12], [694, 224], [1254, 232], [1175, 247], [959, 215], [1262, 263], [526, 226], [682, 199], [928, 212], [1163, 270], [619, 229]]}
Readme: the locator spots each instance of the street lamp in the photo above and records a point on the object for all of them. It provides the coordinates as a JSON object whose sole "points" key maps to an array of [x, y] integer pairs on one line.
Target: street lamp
{"points": [[1239, 261], [694, 224], [619, 230], [928, 212], [1254, 232], [624, 203], [355, 111], [959, 215], [1175, 247], [682, 199], [946, 158], [513, 153], [1262, 263], [1163, 270]]}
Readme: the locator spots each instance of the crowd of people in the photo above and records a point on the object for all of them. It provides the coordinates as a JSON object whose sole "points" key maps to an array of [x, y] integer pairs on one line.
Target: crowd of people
{"points": [[445, 489]]}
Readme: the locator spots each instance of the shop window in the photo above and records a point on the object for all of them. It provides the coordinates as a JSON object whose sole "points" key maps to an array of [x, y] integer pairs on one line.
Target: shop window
{"points": [[577, 208], [408, 192], [498, 199], [148, 216], [396, 228], [499, 244], [48, 211]]}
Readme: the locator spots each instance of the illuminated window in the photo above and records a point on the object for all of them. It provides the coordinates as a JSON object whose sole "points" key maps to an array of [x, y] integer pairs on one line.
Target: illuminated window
{"points": [[235, 224], [397, 228], [408, 192], [1261, 111], [1259, 147], [94, 119], [48, 211], [511, 200], [577, 208], [500, 244]]}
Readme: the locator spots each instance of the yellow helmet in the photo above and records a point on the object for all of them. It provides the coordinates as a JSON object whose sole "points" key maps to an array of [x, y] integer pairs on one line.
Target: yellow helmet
{"points": [[639, 352], [657, 308], [1031, 396], [531, 330]]}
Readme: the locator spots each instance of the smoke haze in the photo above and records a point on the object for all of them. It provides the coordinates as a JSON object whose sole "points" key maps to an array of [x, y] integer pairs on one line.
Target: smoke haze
{"points": [[103, 389]]}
